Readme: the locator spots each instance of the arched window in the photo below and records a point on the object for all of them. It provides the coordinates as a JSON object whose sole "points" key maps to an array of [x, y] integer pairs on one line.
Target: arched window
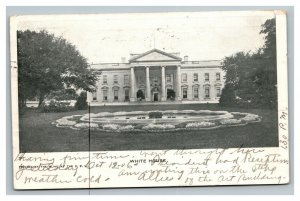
{"points": [[104, 93], [116, 93], [184, 89], [196, 91]]}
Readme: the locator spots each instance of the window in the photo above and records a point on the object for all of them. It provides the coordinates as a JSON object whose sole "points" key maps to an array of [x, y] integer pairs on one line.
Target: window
{"points": [[126, 79], [206, 77], [105, 92], [195, 77], [184, 77], [218, 77], [126, 94], [196, 92], [104, 79], [168, 78], [115, 79], [116, 95], [94, 95], [218, 91], [206, 92], [184, 92]]}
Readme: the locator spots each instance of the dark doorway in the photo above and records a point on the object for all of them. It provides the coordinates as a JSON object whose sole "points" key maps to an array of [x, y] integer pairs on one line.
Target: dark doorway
{"points": [[126, 94], [140, 95], [170, 94], [155, 98]]}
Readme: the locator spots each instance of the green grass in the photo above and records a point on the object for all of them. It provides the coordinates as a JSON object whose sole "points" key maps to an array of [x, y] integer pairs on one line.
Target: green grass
{"points": [[37, 134]]}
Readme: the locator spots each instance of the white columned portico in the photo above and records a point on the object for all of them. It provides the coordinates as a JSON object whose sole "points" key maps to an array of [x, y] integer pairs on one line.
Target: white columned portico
{"points": [[163, 84], [148, 92], [178, 83], [132, 90]]}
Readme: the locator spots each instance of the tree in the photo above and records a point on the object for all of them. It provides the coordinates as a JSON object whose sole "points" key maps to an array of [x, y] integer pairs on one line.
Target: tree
{"points": [[266, 79], [251, 78], [63, 94], [47, 63], [81, 103]]}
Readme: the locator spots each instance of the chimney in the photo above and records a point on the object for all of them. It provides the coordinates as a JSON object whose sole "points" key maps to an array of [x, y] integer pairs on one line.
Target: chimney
{"points": [[123, 60], [186, 58]]}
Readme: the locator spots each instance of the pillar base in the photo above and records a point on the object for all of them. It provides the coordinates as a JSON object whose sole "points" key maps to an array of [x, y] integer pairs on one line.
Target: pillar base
{"points": [[148, 99], [163, 98], [178, 98], [132, 99]]}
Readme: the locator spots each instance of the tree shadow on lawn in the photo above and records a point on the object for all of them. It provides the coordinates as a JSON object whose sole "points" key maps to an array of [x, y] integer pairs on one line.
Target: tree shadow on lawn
{"points": [[38, 134]]}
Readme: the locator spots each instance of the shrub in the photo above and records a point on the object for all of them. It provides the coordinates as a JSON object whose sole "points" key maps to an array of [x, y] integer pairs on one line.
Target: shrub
{"points": [[81, 103], [56, 106], [228, 96]]}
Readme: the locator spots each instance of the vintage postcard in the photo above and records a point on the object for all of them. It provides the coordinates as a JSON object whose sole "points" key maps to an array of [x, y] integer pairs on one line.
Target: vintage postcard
{"points": [[149, 99]]}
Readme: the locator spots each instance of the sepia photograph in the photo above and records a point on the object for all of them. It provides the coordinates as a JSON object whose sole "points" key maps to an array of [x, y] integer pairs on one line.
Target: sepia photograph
{"points": [[147, 82]]}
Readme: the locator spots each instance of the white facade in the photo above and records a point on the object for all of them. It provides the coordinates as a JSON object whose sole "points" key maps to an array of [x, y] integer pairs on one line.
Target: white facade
{"points": [[157, 76]]}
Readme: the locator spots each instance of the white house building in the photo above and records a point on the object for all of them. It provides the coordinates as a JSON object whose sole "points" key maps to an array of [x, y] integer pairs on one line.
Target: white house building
{"points": [[158, 76]]}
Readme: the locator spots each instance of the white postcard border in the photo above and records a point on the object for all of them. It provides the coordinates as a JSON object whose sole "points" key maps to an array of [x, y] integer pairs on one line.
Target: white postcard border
{"points": [[113, 168]]}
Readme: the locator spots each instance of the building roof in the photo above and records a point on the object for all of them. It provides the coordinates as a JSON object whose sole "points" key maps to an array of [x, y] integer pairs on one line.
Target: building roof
{"points": [[107, 66], [156, 55], [203, 63], [170, 55]]}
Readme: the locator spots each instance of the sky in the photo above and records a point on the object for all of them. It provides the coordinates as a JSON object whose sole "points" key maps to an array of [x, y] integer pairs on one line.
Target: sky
{"points": [[200, 35]]}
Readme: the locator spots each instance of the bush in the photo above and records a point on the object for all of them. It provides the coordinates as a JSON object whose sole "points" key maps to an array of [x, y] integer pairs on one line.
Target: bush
{"points": [[56, 106], [228, 96], [81, 103]]}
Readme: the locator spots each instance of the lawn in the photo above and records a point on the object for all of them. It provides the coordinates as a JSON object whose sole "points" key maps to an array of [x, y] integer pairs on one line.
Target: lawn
{"points": [[37, 134]]}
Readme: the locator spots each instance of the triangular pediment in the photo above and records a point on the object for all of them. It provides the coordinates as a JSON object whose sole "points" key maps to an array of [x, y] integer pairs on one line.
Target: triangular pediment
{"points": [[154, 55]]}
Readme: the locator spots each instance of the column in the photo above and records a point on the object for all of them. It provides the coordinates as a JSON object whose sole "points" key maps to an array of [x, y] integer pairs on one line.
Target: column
{"points": [[148, 92], [163, 84], [132, 82], [178, 83]]}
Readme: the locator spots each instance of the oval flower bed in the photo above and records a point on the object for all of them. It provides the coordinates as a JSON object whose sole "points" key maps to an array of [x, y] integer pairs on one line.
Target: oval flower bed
{"points": [[113, 122]]}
